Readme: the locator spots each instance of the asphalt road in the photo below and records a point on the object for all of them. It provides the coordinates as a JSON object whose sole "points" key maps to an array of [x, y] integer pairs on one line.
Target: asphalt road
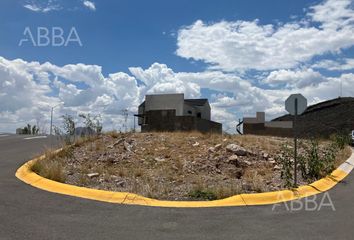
{"points": [[30, 213]]}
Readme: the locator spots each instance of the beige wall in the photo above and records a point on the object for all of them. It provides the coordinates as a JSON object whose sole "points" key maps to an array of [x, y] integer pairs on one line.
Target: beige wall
{"points": [[279, 124], [260, 118], [164, 102]]}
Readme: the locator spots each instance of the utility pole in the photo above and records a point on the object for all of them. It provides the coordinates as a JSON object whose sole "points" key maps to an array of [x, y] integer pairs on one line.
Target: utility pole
{"points": [[125, 114], [51, 119]]}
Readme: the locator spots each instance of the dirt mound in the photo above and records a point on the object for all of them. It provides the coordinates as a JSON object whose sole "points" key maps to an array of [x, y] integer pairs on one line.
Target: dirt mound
{"points": [[174, 166], [177, 166]]}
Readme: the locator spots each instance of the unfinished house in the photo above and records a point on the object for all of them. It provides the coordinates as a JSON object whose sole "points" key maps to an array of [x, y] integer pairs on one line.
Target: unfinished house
{"points": [[259, 126], [171, 112]]}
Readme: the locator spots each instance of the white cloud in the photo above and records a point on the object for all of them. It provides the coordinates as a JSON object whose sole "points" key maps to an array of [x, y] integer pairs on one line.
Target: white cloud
{"points": [[281, 53], [42, 6], [333, 13], [297, 78], [90, 5], [158, 78], [341, 65], [223, 101], [225, 117], [29, 89], [244, 45]]}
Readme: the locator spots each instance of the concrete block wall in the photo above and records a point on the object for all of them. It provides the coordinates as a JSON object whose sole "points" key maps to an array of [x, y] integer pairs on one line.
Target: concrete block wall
{"points": [[166, 120], [258, 126]]}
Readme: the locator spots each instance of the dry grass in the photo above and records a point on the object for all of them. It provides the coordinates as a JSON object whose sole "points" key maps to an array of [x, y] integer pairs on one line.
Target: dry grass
{"points": [[80, 141], [172, 166], [343, 155], [122, 172], [268, 144], [114, 134], [255, 180], [222, 191], [51, 167], [83, 180]]}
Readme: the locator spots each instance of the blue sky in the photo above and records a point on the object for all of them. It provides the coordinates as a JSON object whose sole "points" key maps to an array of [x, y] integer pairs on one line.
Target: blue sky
{"points": [[122, 34], [245, 56]]}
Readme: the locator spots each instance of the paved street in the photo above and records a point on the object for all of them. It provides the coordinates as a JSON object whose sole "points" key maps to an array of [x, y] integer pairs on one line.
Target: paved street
{"points": [[30, 213]]}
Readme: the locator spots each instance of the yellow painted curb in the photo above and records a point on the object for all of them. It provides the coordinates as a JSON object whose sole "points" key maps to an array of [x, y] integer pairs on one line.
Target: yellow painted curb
{"points": [[25, 174]]}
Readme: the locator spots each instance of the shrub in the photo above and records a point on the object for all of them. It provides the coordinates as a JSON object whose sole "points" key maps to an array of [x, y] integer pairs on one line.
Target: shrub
{"points": [[341, 140], [315, 162], [200, 194], [285, 161]]}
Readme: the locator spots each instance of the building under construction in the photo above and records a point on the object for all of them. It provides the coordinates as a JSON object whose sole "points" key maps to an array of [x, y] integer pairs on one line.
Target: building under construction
{"points": [[171, 112]]}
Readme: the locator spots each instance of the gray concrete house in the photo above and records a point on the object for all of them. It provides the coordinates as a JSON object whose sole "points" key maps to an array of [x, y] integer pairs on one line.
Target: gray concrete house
{"points": [[171, 112], [259, 126]]}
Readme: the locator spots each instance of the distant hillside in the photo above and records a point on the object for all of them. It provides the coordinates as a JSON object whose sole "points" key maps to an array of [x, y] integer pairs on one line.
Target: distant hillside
{"points": [[325, 118]]}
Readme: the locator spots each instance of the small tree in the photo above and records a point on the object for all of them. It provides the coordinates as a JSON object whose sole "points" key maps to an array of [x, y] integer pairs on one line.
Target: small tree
{"points": [[25, 130], [92, 122], [87, 121], [57, 131], [35, 130], [69, 127], [98, 124], [29, 128]]}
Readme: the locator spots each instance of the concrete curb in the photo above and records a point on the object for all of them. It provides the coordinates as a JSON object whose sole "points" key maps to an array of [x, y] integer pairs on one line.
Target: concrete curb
{"points": [[25, 174]]}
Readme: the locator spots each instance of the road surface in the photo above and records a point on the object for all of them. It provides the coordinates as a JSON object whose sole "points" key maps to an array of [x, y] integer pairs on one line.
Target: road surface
{"points": [[30, 213]]}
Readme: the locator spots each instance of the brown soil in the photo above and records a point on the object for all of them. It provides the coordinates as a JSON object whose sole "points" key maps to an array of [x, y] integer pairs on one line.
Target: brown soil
{"points": [[176, 166]]}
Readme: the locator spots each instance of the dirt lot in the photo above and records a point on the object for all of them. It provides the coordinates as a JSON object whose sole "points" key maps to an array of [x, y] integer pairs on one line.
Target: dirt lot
{"points": [[174, 166]]}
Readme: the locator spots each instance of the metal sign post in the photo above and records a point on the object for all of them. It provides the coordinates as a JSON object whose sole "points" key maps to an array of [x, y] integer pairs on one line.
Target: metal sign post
{"points": [[296, 104], [295, 144]]}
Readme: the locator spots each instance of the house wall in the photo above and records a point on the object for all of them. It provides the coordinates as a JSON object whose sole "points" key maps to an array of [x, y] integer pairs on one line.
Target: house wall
{"points": [[165, 101], [186, 108], [279, 124], [261, 129], [187, 123], [166, 120], [258, 126], [141, 111], [260, 118], [204, 110]]}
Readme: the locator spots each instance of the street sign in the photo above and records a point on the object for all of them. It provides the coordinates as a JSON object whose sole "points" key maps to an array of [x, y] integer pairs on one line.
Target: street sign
{"points": [[296, 104], [301, 104]]}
